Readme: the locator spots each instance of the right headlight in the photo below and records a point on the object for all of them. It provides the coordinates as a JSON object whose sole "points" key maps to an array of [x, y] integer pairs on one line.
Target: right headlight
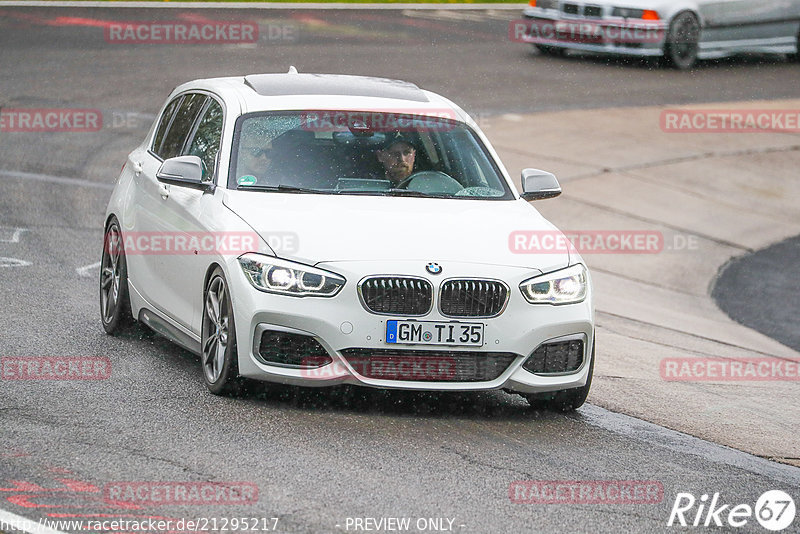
{"points": [[274, 275], [566, 286]]}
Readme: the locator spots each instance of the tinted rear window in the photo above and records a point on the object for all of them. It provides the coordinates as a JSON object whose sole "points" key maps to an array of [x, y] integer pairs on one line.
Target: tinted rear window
{"points": [[181, 126], [163, 124]]}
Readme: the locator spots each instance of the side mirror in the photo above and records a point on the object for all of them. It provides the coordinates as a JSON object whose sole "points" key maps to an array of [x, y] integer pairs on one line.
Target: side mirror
{"points": [[186, 171], [538, 185]]}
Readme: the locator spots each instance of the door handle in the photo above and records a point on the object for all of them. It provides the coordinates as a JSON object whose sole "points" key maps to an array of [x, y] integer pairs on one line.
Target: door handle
{"points": [[163, 190]]}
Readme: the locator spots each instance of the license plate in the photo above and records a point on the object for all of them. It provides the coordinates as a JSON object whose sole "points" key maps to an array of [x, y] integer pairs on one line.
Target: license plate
{"points": [[562, 27], [578, 32], [434, 333]]}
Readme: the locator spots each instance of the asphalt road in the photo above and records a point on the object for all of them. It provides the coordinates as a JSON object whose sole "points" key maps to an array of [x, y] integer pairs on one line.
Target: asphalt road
{"points": [[316, 457]]}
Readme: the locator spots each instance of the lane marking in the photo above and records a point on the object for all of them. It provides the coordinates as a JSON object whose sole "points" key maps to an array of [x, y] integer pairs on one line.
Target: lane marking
{"points": [[13, 236], [13, 262], [78, 182], [23, 524], [85, 271], [254, 5]]}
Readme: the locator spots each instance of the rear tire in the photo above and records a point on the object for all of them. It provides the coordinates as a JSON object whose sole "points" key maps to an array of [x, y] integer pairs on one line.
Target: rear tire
{"points": [[683, 38], [115, 306], [566, 400], [796, 55]]}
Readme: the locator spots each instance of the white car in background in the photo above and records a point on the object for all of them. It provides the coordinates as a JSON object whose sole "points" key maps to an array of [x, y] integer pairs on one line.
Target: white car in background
{"points": [[255, 227], [680, 31]]}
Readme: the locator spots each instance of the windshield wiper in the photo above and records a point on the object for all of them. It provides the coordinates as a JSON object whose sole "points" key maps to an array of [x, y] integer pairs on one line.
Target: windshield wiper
{"points": [[410, 193], [280, 188]]}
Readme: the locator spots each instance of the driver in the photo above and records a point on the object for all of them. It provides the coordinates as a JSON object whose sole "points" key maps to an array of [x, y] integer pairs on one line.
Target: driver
{"points": [[255, 157], [397, 157]]}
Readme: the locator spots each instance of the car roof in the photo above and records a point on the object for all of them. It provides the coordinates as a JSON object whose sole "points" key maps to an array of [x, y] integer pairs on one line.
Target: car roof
{"points": [[294, 91], [333, 84]]}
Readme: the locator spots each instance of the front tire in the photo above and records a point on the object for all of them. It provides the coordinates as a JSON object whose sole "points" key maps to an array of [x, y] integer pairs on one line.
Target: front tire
{"points": [[796, 56], [551, 51], [566, 400], [683, 40], [219, 356], [115, 306]]}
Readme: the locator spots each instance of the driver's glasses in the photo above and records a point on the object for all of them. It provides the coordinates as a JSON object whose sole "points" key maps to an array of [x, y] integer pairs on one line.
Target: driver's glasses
{"points": [[400, 153]]}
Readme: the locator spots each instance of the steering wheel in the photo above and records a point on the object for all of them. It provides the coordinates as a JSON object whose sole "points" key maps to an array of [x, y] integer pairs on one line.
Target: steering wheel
{"points": [[404, 183], [445, 182]]}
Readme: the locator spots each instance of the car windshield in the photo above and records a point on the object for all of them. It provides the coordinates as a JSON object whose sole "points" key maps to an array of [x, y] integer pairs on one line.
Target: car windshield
{"points": [[366, 153]]}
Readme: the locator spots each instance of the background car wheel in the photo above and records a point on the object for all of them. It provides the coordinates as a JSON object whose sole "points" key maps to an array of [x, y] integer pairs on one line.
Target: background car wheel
{"points": [[567, 400], [218, 338], [683, 40], [115, 307], [796, 55], [552, 51]]}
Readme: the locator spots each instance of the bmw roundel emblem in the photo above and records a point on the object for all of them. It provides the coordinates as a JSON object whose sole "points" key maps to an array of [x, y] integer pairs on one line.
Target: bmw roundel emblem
{"points": [[434, 268]]}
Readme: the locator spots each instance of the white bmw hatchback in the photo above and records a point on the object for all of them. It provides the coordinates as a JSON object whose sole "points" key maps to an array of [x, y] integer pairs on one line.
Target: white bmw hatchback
{"points": [[323, 229]]}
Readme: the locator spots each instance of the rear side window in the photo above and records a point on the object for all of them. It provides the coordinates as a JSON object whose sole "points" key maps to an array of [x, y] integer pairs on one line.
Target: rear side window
{"points": [[205, 143], [181, 127], [163, 124]]}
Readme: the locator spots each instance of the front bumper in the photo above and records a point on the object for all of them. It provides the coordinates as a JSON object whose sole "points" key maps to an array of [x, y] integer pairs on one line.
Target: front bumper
{"points": [[341, 324], [604, 35]]}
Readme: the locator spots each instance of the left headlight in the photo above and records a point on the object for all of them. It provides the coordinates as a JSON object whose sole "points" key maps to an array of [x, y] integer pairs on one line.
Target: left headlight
{"points": [[274, 275], [566, 286]]}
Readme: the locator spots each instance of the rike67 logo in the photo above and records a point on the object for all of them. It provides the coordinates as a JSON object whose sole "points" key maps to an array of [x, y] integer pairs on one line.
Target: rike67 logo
{"points": [[774, 510]]}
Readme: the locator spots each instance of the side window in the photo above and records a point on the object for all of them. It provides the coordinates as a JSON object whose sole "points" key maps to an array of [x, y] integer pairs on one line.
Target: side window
{"points": [[205, 143], [175, 138], [163, 124]]}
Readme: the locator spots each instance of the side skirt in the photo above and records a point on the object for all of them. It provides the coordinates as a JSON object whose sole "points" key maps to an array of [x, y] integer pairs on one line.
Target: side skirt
{"points": [[162, 326]]}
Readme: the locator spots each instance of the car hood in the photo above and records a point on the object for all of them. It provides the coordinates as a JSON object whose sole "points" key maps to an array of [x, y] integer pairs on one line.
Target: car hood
{"points": [[313, 229], [657, 5], [640, 4]]}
